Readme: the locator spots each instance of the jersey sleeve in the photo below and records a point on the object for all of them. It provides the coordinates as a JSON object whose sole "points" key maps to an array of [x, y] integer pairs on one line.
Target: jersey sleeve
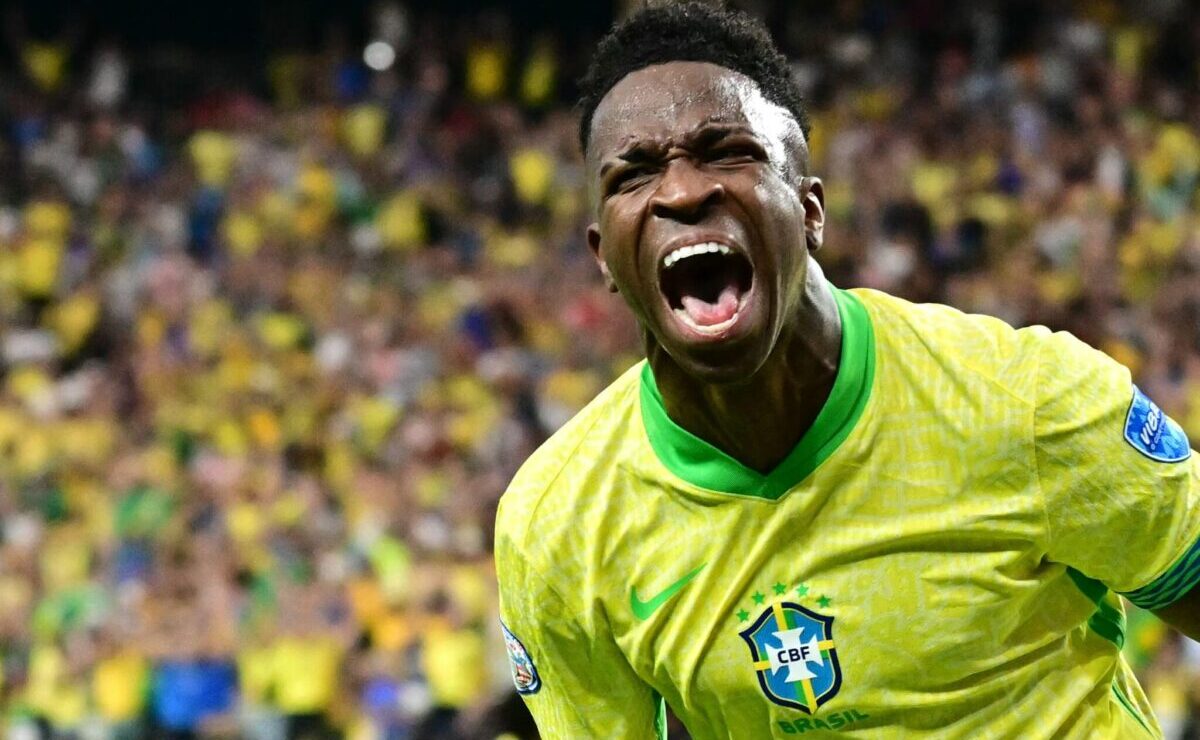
{"points": [[565, 663], [1121, 487]]}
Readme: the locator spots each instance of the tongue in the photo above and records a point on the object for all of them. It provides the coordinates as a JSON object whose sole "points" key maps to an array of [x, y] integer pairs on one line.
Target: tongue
{"points": [[709, 314]]}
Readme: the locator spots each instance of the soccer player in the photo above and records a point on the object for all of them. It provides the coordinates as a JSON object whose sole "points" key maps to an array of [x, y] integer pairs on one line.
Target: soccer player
{"points": [[811, 510]]}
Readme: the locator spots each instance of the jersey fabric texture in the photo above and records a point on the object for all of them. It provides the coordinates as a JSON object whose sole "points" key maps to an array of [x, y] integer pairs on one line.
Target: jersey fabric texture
{"points": [[938, 557]]}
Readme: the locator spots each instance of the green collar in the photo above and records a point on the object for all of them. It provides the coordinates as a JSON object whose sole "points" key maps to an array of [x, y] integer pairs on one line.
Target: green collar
{"points": [[703, 465]]}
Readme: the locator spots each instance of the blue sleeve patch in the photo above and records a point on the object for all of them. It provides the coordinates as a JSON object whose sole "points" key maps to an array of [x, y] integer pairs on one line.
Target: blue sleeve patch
{"points": [[1153, 433], [524, 674]]}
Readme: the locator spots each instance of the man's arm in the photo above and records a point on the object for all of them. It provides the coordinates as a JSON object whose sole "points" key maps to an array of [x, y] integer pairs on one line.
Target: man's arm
{"points": [[565, 662], [1120, 485], [1184, 615]]}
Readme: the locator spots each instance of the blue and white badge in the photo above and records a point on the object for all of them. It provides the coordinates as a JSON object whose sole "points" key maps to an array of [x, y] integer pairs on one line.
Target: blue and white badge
{"points": [[524, 674], [1153, 433]]}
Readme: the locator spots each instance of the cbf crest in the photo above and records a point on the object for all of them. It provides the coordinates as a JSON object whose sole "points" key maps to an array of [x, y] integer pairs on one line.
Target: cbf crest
{"points": [[794, 652]]}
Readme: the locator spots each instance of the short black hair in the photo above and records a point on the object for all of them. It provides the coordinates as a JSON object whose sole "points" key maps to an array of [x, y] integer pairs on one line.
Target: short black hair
{"points": [[693, 32]]}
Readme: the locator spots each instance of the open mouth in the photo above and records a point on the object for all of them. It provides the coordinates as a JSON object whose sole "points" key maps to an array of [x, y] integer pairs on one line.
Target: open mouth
{"points": [[706, 285]]}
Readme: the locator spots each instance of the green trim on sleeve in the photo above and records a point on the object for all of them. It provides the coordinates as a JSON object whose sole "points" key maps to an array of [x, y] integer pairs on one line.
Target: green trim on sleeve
{"points": [[1172, 585], [701, 464], [1107, 621], [660, 718], [1128, 705]]}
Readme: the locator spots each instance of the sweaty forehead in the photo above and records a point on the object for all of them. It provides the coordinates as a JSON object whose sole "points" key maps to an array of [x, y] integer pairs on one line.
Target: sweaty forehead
{"points": [[660, 103]]}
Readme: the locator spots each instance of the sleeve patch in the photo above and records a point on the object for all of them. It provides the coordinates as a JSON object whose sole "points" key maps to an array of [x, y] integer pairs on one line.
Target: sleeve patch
{"points": [[1154, 434], [524, 674]]}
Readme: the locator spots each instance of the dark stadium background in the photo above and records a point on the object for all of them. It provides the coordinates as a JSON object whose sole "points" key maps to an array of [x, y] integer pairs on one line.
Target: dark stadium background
{"points": [[1065, 130]]}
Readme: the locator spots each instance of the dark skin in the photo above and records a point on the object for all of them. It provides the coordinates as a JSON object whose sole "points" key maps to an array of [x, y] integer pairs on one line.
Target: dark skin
{"points": [[690, 152], [1184, 615]]}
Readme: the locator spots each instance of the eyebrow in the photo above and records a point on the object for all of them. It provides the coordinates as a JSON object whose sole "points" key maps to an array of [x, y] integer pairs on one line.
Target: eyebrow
{"points": [[705, 133], [711, 132]]}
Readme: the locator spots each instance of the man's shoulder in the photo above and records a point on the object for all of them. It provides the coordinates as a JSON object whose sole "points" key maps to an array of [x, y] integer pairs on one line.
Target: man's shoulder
{"points": [[941, 324], [560, 468], [957, 342]]}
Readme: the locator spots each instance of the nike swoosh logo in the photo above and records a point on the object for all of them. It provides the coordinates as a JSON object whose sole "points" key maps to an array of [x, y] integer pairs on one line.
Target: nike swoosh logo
{"points": [[643, 609]]}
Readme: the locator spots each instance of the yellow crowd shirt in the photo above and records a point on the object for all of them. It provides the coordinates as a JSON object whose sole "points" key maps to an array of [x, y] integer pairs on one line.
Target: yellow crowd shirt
{"points": [[306, 674], [119, 685], [939, 556], [455, 666]]}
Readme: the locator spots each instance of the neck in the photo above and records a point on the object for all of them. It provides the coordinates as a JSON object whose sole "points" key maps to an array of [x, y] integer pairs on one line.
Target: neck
{"points": [[760, 421]]}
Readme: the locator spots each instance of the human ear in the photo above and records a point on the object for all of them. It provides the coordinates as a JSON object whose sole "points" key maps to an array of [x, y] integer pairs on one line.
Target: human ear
{"points": [[593, 240], [812, 197]]}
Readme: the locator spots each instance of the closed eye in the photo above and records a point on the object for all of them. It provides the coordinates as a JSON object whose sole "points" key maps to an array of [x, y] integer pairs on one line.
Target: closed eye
{"points": [[628, 179], [739, 153]]}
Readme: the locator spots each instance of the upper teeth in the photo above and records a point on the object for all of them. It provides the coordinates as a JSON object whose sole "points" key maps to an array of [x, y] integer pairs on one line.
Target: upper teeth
{"points": [[695, 249]]}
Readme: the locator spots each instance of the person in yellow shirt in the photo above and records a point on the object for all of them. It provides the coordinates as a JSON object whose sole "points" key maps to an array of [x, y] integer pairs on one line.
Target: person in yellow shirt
{"points": [[453, 659], [308, 662], [814, 511], [256, 665]]}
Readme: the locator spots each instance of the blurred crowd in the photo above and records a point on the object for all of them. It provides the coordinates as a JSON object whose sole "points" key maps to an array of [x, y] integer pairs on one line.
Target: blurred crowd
{"points": [[272, 344]]}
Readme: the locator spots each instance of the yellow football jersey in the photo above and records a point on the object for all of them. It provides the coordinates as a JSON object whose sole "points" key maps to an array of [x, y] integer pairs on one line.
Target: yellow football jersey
{"points": [[937, 557]]}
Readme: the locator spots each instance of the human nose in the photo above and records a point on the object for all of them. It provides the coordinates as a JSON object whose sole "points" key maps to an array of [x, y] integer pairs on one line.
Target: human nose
{"points": [[684, 192]]}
